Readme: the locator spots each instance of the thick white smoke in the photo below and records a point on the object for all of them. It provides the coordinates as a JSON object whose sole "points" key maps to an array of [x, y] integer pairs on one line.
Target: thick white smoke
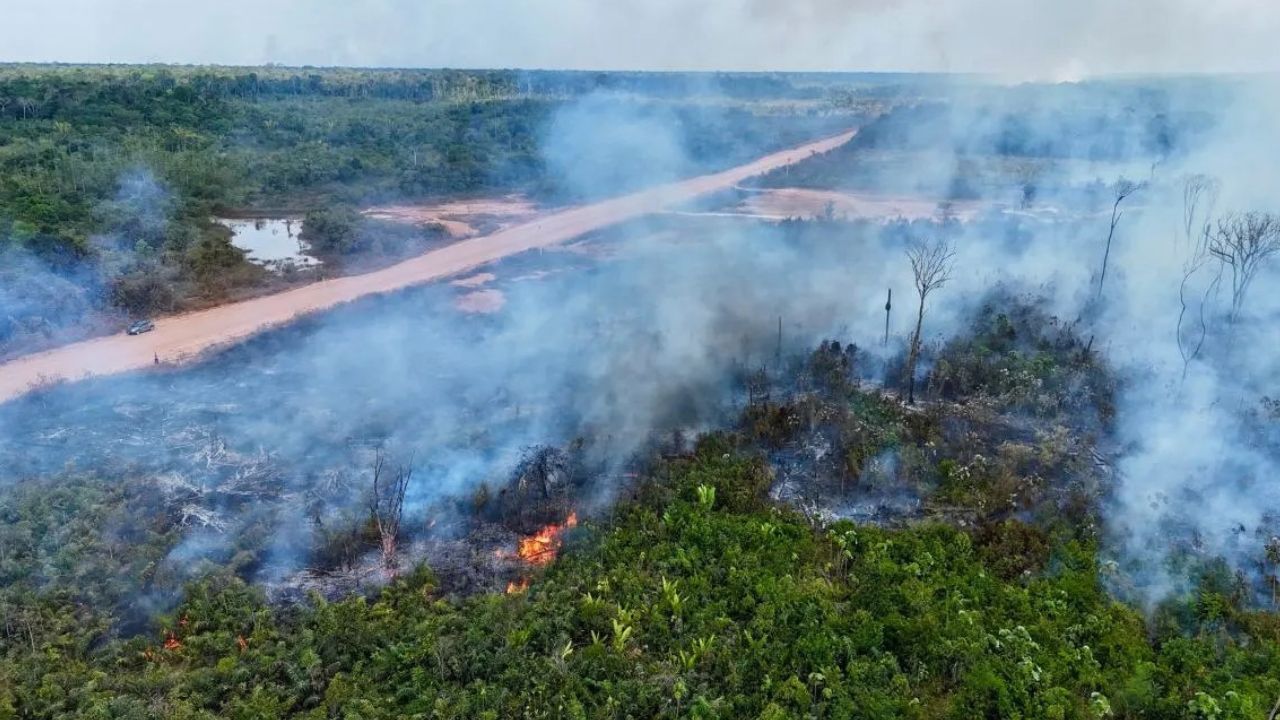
{"points": [[1195, 456]]}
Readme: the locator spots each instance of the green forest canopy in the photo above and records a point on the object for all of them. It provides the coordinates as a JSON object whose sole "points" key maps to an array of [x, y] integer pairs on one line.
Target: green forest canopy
{"points": [[697, 600], [78, 143]]}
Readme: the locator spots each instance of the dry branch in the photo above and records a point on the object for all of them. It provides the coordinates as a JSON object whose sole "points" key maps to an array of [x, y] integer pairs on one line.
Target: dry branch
{"points": [[1242, 243], [931, 266], [1124, 189], [386, 506]]}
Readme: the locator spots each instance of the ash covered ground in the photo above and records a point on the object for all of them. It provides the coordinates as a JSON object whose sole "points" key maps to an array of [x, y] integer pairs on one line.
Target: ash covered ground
{"points": [[544, 385], [512, 412]]}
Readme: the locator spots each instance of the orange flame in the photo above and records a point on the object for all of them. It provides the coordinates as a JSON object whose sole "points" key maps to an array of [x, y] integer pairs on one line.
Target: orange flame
{"points": [[540, 548], [516, 586], [171, 642]]}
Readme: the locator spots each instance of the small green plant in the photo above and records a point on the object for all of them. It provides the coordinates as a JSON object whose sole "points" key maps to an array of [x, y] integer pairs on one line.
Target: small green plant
{"points": [[706, 496], [671, 595], [621, 634]]}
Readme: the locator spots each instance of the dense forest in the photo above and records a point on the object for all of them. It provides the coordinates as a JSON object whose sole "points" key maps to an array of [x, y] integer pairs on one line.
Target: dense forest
{"points": [[698, 600], [980, 142], [109, 176]]}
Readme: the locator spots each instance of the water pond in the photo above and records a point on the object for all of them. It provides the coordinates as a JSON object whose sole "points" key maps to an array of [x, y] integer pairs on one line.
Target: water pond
{"points": [[270, 241]]}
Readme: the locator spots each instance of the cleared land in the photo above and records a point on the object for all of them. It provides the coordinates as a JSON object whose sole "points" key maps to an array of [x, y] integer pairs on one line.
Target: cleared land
{"points": [[460, 218], [183, 337], [804, 203]]}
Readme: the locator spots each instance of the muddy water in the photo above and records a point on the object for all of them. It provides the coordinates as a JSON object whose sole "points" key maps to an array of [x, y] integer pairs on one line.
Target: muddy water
{"points": [[270, 241]]}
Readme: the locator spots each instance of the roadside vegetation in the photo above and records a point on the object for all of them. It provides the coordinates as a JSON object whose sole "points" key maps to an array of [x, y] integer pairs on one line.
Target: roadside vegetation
{"points": [[110, 176]]}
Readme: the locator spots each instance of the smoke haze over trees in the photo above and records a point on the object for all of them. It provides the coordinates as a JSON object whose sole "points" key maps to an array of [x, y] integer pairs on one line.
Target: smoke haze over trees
{"points": [[1045, 490], [702, 323], [83, 144]]}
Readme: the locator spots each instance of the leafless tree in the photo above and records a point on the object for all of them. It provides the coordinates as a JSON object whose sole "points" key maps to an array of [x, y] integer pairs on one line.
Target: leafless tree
{"points": [[931, 266], [1124, 188], [777, 356], [1242, 243], [758, 388], [1199, 196], [386, 505]]}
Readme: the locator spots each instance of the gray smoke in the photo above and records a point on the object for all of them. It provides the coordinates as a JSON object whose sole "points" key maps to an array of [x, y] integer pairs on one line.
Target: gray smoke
{"points": [[52, 296], [1195, 456], [643, 332]]}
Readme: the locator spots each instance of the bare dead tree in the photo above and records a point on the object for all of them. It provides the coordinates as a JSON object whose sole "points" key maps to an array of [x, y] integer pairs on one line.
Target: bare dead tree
{"points": [[1199, 196], [1124, 189], [1242, 243], [931, 266], [888, 307], [386, 506], [758, 388], [777, 359]]}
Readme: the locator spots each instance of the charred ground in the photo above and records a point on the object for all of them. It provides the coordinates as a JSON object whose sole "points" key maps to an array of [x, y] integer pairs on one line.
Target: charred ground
{"points": [[970, 586], [703, 418]]}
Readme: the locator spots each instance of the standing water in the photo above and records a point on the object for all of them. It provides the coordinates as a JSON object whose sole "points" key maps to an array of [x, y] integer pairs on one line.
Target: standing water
{"points": [[270, 241]]}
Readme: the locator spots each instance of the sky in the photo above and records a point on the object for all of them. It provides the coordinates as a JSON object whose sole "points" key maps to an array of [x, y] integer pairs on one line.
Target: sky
{"points": [[1035, 39]]}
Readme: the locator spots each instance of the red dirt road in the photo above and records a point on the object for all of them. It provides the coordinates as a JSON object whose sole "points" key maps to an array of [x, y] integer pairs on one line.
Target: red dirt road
{"points": [[184, 337]]}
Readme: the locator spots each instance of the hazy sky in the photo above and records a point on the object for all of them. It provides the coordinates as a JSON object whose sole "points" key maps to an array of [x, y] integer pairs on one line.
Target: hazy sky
{"points": [[1049, 39]]}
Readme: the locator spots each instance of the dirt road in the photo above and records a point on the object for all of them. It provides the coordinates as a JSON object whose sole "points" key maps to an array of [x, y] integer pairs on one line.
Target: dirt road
{"points": [[184, 337]]}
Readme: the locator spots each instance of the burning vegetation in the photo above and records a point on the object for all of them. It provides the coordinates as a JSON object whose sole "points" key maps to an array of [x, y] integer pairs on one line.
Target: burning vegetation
{"points": [[541, 547], [930, 516], [536, 550]]}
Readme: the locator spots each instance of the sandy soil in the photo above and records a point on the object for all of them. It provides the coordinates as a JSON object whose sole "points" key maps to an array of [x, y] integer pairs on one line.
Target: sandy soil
{"points": [[181, 338], [481, 301], [786, 203], [459, 217]]}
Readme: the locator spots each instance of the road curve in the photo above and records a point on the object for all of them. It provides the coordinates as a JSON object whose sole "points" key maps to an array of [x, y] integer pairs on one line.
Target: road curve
{"points": [[180, 338]]}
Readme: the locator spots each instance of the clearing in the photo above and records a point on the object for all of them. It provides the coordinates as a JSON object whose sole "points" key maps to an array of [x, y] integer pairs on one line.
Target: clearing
{"points": [[182, 338], [461, 218], [805, 204]]}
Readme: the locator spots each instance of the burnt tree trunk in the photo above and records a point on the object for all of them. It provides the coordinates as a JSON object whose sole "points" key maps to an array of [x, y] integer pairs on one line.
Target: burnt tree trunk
{"points": [[888, 307], [386, 508], [913, 355]]}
